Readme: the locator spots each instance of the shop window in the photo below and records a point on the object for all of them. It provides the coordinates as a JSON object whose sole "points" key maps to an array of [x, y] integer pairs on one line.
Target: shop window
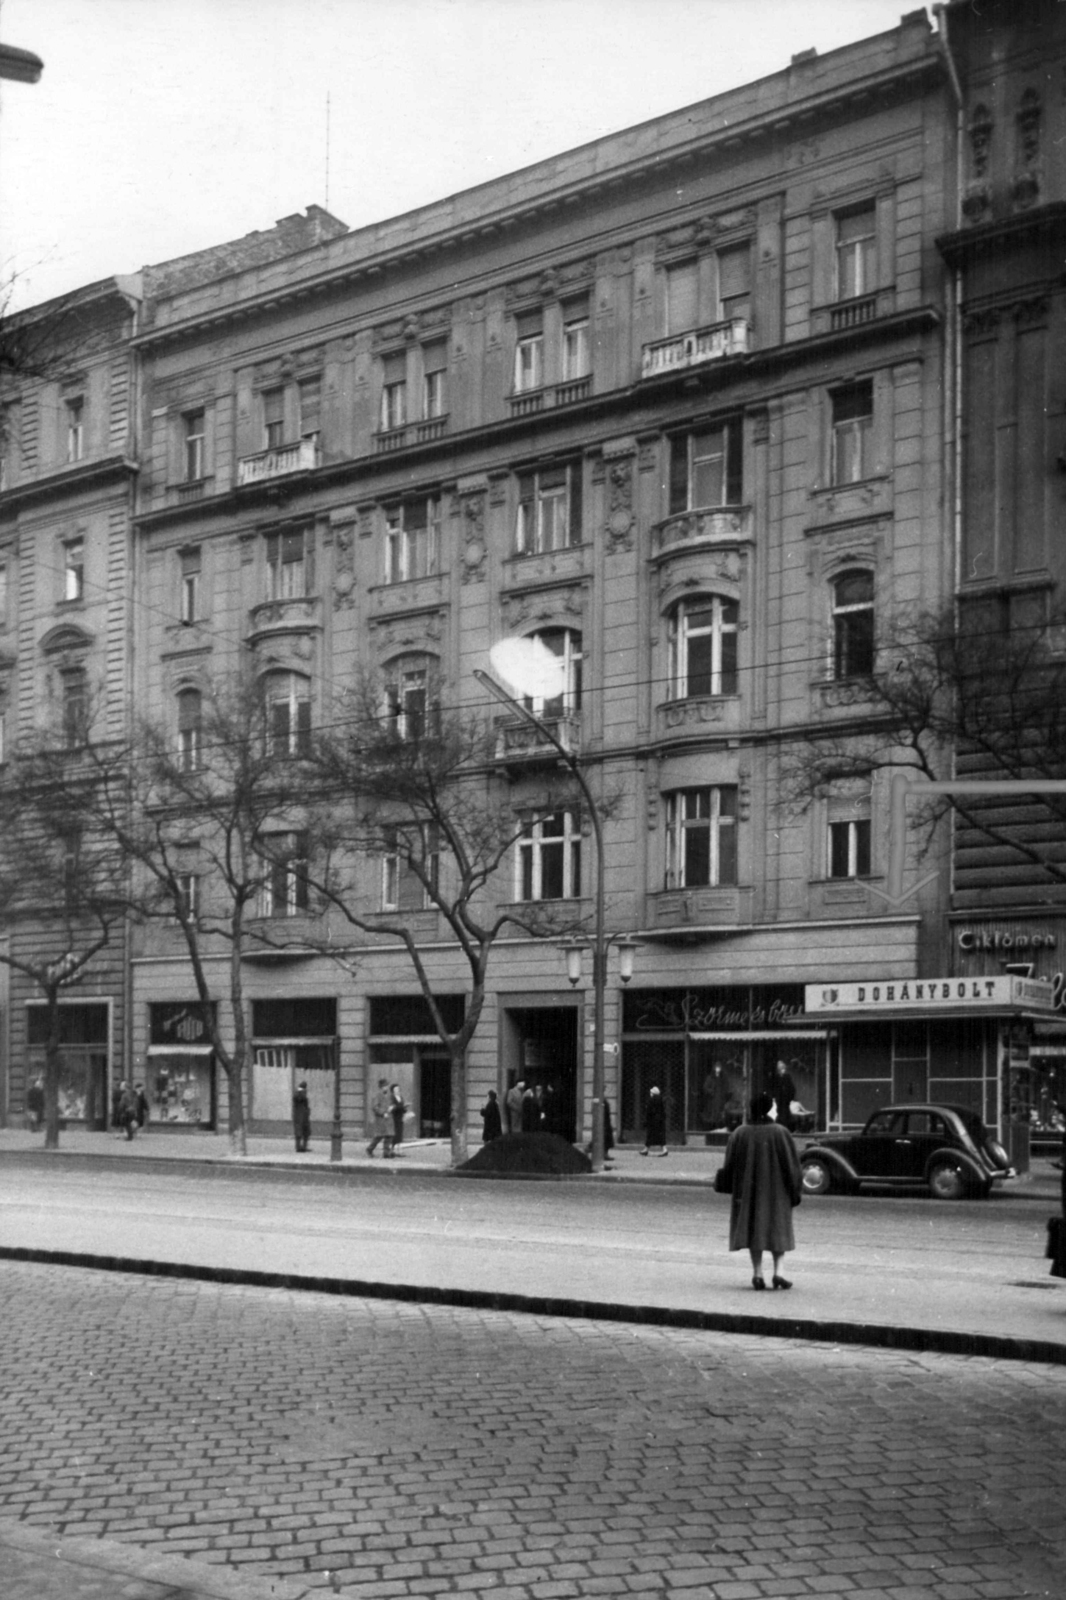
{"points": [[706, 468], [288, 562], [703, 647], [849, 848], [701, 829], [565, 643], [549, 509], [190, 565], [852, 432], [856, 251], [549, 858], [412, 540], [288, 704], [285, 889], [190, 729], [853, 624]]}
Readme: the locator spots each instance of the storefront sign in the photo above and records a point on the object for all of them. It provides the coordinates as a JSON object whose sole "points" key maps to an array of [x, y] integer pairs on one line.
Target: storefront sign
{"points": [[744, 1007], [1004, 941], [932, 995], [175, 1023]]}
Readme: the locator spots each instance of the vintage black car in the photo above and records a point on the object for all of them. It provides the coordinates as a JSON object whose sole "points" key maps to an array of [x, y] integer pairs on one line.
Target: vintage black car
{"points": [[944, 1148]]}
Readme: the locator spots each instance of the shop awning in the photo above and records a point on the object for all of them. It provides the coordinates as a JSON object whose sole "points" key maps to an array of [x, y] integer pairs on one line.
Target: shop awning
{"points": [[180, 1049]]}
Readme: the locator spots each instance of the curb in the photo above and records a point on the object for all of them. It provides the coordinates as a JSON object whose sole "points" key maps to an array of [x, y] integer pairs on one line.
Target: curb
{"points": [[878, 1335]]}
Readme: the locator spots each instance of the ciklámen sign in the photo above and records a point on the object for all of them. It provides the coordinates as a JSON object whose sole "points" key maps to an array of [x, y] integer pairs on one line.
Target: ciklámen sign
{"points": [[932, 994]]}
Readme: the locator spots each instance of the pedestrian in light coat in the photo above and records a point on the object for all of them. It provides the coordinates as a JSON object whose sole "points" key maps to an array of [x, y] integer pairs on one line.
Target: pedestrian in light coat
{"points": [[761, 1173], [301, 1115], [380, 1120], [512, 1104]]}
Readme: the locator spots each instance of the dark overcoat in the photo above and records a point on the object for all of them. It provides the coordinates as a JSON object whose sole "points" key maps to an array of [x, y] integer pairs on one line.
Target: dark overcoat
{"points": [[762, 1172], [655, 1120]]}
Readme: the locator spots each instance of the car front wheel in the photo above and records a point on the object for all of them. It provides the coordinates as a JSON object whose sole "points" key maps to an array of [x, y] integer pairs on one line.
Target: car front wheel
{"points": [[946, 1181], [817, 1178]]}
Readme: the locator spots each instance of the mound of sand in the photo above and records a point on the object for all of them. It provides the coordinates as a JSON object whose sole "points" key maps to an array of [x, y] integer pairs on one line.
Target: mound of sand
{"points": [[526, 1155]]}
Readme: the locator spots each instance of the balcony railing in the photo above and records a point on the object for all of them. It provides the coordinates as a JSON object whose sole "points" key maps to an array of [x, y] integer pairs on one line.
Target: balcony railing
{"points": [[520, 744], [852, 313], [696, 349], [278, 463], [525, 405], [713, 524]]}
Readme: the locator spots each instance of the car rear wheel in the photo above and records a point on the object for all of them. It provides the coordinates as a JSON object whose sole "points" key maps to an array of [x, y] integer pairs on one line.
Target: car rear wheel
{"points": [[817, 1178], [947, 1181]]}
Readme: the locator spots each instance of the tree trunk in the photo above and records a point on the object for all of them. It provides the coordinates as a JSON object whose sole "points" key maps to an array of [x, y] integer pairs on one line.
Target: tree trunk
{"points": [[458, 1075], [51, 1073], [238, 1134]]}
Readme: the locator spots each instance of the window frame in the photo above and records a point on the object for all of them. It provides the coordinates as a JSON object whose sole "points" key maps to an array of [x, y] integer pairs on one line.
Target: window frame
{"points": [[685, 464], [395, 873], [285, 889], [74, 570], [189, 581], [685, 822], [188, 886], [287, 704], [282, 583], [412, 700], [722, 631], [847, 640], [273, 400], [74, 409], [860, 278], [406, 547], [75, 706], [577, 346], [537, 534], [572, 655], [194, 445], [856, 833], [190, 711], [529, 362], [536, 850], [851, 433]]}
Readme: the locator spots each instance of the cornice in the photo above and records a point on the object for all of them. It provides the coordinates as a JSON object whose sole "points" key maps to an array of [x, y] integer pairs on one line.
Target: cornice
{"points": [[991, 238], [803, 115], [68, 481]]}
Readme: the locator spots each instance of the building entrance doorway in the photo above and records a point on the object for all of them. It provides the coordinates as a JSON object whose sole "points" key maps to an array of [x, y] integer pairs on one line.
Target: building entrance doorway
{"points": [[546, 1060]]}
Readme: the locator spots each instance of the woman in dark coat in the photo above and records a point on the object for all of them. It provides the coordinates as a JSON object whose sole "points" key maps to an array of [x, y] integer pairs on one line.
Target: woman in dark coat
{"points": [[761, 1172], [397, 1111], [655, 1123], [301, 1116], [490, 1116]]}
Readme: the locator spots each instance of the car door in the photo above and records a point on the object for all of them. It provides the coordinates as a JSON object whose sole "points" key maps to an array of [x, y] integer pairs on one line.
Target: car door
{"points": [[875, 1150], [925, 1133]]}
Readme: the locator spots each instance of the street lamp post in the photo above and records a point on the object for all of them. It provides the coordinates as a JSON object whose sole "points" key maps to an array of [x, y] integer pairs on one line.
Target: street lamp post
{"points": [[599, 948]]}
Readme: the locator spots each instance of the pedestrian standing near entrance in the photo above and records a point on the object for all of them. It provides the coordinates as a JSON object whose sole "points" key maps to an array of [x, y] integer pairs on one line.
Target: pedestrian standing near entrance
{"points": [[655, 1123], [380, 1120], [530, 1111], [301, 1115], [512, 1104], [142, 1106], [127, 1109], [397, 1111], [784, 1094], [35, 1103], [761, 1172], [608, 1132], [492, 1127]]}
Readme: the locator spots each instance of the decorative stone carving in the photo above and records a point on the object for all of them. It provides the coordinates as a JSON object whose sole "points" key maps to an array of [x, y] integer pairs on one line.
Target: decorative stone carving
{"points": [[1028, 126], [521, 609], [620, 518], [849, 692], [693, 713], [981, 126], [551, 284], [983, 321], [976, 201], [473, 513], [344, 567]]}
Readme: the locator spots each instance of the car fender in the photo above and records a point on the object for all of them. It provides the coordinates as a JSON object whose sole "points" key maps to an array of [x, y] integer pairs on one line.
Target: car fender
{"points": [[977, 1174], [838, 1164]]}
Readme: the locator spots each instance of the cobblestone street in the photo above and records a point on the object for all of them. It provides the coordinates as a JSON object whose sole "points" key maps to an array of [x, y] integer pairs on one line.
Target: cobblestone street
{"points": [[379, 1449]]}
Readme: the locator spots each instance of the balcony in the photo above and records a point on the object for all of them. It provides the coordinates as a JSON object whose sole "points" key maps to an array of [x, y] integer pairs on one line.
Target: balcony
{"points": [[711, 525], [853, 313], [411, 433], [521, 747], [295, 616], [697, 349], [530, 401], [278, 463]]}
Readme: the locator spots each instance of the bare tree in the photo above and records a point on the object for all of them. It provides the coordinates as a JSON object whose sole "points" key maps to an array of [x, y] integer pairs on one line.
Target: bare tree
{"points": [[62, 890], [418, 794], [969, 695], [209, 819]]}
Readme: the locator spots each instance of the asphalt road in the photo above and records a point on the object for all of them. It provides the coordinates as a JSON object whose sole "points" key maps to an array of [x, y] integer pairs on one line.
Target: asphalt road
{"points": [[968, 1267]]}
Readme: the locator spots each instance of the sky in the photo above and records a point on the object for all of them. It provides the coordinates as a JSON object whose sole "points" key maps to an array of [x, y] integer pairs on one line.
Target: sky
{"points": [[160, 127]]}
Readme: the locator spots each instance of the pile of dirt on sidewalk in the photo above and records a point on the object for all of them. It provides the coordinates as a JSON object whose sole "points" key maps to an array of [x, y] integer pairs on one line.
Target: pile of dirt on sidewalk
{"points": [[526, 1155]]}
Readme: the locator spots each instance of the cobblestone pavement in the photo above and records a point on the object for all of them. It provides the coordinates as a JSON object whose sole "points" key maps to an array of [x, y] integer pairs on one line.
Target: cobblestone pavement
{"points": [[376, 1449]]}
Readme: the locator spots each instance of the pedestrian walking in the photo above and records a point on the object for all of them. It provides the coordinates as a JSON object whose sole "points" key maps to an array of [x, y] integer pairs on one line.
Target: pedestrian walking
{"points": [[512, 1105], [530, 1111], [608, 1132], [35, 1103], [127, 1113], [380, 1120], [784, 1094], [141, 1102], [116, 1108], [492, 1126], [655, 1123], [761, 1173], [301, 1115], [397, 1111]]}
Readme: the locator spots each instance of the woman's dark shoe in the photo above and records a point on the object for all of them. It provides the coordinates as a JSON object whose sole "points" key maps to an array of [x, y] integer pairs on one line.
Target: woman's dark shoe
{"points": [[782, 1283], [758, 1283]]}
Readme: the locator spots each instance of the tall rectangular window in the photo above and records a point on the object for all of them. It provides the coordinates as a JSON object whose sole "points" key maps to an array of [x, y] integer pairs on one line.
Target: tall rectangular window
{"points": [[856, 250], [701, 838], [575, 341], [853, 424], [434, 379], [849, 849], [190, 720], [529, 351], [393, 391], [287, 558], [412, 540], [188, 885], [3, 594], [412, 699], [734, 281], [194, 445], [309, 396], [549, 509], [75, 706], [273, 402], [403, 888], [285, 889], [190, 583], [74, 569], [549, 858], [682, 297], [706, 468], [75, 412], [288, 697]]}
